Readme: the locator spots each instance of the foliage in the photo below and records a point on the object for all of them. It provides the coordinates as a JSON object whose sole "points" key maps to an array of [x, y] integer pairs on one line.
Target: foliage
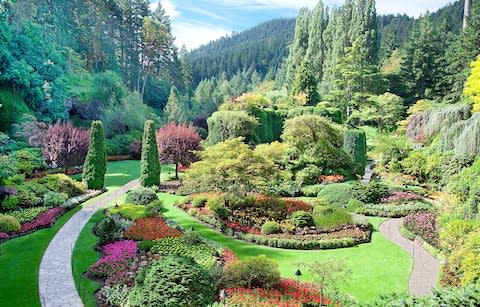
{"points": [[199, 201], [393, 149], [423, 224], [301, 219], [355, 145], [328, 217], [372, 192], [225, 125], [454, 234], [62, 184], [312, 190], [162, 287], [150, 164], [175, 108], [135, 150], [28, 214], [9, 223], [337, 194], [141, 196], [151, 228], [255, 272], [129, 211], [53, 199], [472, 86], [305, 82], [270, 228], [10, 202], [393, 211], [111, 228], [201, 252], [27, 161], [120, 143], [95, 165]]}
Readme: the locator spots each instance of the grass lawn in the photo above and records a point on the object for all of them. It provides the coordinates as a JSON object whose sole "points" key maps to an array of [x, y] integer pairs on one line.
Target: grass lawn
{"points": [[20, 258], [379, 267], [83, 253]]}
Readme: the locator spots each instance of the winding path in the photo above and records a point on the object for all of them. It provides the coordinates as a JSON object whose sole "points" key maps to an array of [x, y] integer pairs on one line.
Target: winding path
{"points": [[425, 269], [56, 284]]}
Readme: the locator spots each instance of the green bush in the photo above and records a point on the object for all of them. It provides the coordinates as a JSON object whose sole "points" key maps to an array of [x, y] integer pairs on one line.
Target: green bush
{"points": [[454, 234], [53, 199], [337, 194], [173, 281], [199, 201], [111, 228], [10, 202], [201, 252], [224, 125], [328, 217], [28, 214], [308, 175], [355, 145], [270, 227], [27, 198], [312, 190], [217, 205], [301, 219], [255, 272], [130, 211], [296, 244], [354, 204], [146, 245], [141, 196], [192, 238], [370, 193], [95, 165], [9, 223], [393, 211], [150, 163], [155, 208], [119, 144], [62, 183], [28, 160]]}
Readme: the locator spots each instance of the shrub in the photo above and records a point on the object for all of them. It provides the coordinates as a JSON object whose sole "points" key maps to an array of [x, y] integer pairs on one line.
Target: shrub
{"points": [[115, 295], [454, 234], [270, 228], [28, 214], [44, 219], [174, 281], [10, 202], [355, 145], [9, 224], [297, 244], [129, 211], [95, 165], [296, 205], [470, 263], [154, 208], [150, 163], [111, 228], [119, 144], [61, 183], [141, 196], [224, 125], [53, 199], [151, 228], [27, 198], [302, 219], [255, 272], [308, 175], [337, 194], [201, 252], [423, 224], [192, 238], [312, 190], [354, 204], [393, 211], [369, 193], [28, 161], [216, 204], [199, 201], [327, 217]]}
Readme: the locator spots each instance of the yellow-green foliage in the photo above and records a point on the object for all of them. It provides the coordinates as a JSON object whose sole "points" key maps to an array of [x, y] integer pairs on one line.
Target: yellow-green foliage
{"points": [[472, 87], [130, 211], [470, 263], [274, 151]]}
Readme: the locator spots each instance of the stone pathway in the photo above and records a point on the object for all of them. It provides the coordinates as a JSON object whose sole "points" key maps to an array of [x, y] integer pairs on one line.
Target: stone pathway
{"points": [[56, 284], [425, 268], [368, 172]]}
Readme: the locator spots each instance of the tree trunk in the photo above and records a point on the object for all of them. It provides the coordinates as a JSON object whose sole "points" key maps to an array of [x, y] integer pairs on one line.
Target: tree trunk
{"points": [[143, 86], [176, 171], [466, 13]]}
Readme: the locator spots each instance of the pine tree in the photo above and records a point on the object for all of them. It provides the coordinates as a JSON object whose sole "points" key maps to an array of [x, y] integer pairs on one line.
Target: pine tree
{"points": [[95, 165], [298, 49], [306, 83], [315, 50], [150, 163], [175, 109]]}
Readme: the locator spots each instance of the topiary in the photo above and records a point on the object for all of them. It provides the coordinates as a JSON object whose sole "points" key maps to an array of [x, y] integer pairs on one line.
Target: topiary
{"points": [[173, 281], [141, 196], [95, 165], [355, 145], [302, 219], [150, 163], [9, 223], [255, 272], [270, 227], [370, 193]]}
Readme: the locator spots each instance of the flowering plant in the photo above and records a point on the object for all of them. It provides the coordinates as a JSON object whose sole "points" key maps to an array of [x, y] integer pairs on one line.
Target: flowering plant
{"points": [[151, 228], [243, 228], [400, 197], [423, 224], [327, 179], [44, 219], [296, 205]]}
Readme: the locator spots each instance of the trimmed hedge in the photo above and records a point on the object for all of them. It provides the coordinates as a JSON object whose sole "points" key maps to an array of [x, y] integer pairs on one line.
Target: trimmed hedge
{"points": [[355, 145], [95, 165], [150, 163]]}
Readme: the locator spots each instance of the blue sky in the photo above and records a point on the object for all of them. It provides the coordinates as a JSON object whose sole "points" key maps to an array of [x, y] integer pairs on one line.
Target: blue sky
{"points": [[199, 21]]}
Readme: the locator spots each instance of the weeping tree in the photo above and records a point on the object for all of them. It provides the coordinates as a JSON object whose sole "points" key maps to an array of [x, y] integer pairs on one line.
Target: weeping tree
{"points": [[95, 165], [150, 164], [463, 137]]}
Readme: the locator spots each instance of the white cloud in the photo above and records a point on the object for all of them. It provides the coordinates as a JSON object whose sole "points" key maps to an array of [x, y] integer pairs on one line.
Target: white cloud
{"points": [[168, 6], [193, 35], [410, 7], [267, 4]]}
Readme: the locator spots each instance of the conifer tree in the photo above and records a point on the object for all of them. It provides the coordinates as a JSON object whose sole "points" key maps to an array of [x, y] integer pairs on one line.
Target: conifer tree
{"points": [[150, 163], [299, 46], [306, 83], [174, 108], [95, 165]]}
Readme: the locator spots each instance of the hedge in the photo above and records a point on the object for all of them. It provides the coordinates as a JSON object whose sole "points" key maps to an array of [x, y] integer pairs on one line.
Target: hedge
{"points": [[296, 244]]}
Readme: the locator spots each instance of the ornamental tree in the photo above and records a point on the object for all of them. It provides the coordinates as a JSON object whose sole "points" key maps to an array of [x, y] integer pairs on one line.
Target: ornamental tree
{"points": [[150, 164], [177, 144], [95, 165], [65, 145]]}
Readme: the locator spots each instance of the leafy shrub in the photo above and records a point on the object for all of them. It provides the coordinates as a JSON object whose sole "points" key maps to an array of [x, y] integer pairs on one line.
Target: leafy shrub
{"points": [[28, 160], [146, 245], [141, 196], [337, 194], [423, 224], [327, 217], [135, 150], [202, 253], [355, 145], [199, 201], [115, 295], [270, 228], [111, 228], [27, 198], [308, 175], [10, 202], [354, 204], [296, 205], [129, 211], [192, 238], [44, 219], [454, 234], [154, 208], [216, 204], [119, 144], [370, 193], [312, 190], [297, 244], [28, 214], [302, 219], [53, 199], [9, 223], [151, 228], [470, 263], [255, 272], [393, 211], [61, 183], [174, 281]]}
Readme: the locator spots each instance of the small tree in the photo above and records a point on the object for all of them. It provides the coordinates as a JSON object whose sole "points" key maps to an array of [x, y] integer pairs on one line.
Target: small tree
{"points": [[64, 145], [177, 144], [150, 164], [95, 165]]}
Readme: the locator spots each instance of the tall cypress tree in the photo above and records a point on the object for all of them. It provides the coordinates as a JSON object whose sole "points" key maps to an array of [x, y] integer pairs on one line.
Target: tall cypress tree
{"points": [[95, 165], [150, 163]]}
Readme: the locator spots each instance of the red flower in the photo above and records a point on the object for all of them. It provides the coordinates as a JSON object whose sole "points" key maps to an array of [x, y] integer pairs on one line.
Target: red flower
{"points": [[151, 228]]}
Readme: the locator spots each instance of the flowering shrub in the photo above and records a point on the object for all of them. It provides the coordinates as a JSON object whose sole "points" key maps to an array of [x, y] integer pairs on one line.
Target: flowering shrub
{"points": [[151, 228], [243, 228], [45, 219], [289, 293], [423, 224], [400, 197], [27, 214], [327, 179], [3, 235], [296, 205], [115, 265]]}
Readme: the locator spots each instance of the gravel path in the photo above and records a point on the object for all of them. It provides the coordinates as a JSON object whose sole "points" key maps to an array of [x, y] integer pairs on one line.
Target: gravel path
{"points": [[56, 284], [425, 269]]}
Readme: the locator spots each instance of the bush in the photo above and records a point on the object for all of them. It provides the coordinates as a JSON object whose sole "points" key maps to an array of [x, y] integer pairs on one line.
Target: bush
{"points": [[328, 217], [27, 198], [192, 238], [201, 252], [119, 144], [393, 211], [297, 244], [129, 211], [270, 228], [9, 223], [354, 204], [355, 145], [199, 201], [111, 228], [308, 175], [255, 272], [370, 193], [27, 215], [174, 281], [53, 199], [95, 165], [154, 208], [151, 228], [312, 190], [302, 219], [28, 161], [61, 183], [337, 194], [10, 202], [454, 234], [141, 196], [216, 204], [135, 150]]}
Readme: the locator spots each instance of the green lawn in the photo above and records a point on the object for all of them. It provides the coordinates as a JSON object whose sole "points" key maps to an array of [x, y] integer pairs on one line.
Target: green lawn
{"points": [[20, 258], [84, 255], [379, 267]]}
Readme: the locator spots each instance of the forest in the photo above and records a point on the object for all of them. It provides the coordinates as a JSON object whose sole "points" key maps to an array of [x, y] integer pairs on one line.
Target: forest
{"points": [[325, 160]]}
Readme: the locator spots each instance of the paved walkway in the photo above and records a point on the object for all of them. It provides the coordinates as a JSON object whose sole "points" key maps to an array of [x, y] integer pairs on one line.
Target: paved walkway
{"points": [[56, 284], [425, 269], [368, 172]]}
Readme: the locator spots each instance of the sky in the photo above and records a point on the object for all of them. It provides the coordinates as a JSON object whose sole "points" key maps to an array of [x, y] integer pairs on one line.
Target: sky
{"points": [[199, 21]]}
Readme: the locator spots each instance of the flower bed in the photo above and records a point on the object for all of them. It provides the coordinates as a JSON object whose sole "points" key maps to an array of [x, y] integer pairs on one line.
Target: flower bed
{"points": [[423, 224], [393, 211], [151, 228], [289, 293], [400, 197]]}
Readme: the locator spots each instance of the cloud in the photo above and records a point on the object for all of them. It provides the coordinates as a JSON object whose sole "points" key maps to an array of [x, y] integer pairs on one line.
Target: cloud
{"points": [[193, 35], [410, 7], [266, 4], [168, 6], [207, 13]]}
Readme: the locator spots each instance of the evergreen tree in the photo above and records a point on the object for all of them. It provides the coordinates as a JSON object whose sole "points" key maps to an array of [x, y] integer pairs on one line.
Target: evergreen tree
{"points": [[315, 50], [306, 83], [150, 163], [298, 49], [175, 109], [95, 165]]}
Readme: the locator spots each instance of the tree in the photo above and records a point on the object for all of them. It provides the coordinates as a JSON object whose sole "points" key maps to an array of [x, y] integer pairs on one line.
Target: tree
{"points": [[306, 83], [175, 109], [177, 144], [472, 87], [150, 164], [95, 165], [65, 145], [224, 125], [384, 110]]}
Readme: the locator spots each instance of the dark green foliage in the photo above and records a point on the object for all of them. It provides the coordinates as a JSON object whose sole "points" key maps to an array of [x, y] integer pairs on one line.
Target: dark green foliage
{"points": [[58, 183], [224, 125], [337, 194], [174, 281], [334, 114], [119, 144], [95, 165], [327, 217], [270, 124], [150, 163], [369, 193], [306, 83], [141, 196], [270, 228], [53, 199], [255, 272], [111, 228], [302, 219], [387, 210], [10, 202], [12, 108], [27, 161], [297, 244], [8, 223], [355, 144]]}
